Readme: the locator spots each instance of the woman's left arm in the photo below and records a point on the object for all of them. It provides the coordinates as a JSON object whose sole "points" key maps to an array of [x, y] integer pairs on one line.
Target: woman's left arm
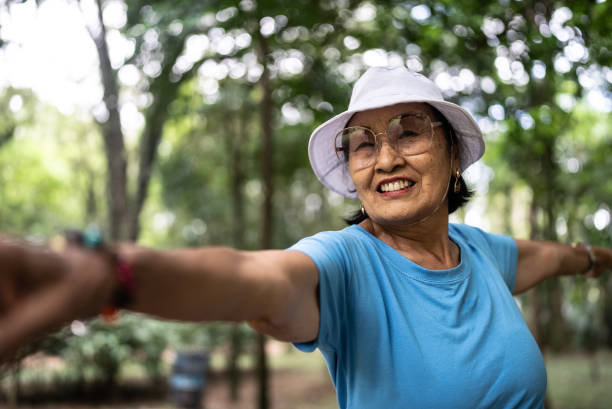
{"points": [[539, 260]]}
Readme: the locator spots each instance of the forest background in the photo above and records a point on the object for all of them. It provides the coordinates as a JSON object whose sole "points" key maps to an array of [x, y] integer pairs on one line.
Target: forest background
{"points": [[182, 123]]}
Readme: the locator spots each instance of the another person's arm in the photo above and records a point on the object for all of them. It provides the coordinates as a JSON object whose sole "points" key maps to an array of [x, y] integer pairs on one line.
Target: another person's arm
{"points": [[539, 260], [274, 290]]}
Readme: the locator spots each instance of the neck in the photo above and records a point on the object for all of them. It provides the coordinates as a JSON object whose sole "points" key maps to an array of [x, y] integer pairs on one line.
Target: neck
{"points": [[426, 242]]}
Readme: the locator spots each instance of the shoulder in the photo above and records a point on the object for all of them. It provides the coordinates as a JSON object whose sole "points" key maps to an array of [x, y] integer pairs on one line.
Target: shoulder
{"points": [[466, 231], [331, 241], [499, 250], [329, 248], [476, 237]]}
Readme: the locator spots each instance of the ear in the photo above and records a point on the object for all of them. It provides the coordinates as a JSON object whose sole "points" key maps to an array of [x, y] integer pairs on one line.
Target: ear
{"points": [[456, 157], [454, 152]]}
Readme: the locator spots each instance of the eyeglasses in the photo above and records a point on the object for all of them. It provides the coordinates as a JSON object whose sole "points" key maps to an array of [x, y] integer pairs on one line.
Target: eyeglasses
{"points": [[409, 134]]}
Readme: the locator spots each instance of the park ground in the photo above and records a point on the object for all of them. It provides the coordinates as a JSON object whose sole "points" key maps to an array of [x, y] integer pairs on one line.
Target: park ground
{"points": [[301, 381]]}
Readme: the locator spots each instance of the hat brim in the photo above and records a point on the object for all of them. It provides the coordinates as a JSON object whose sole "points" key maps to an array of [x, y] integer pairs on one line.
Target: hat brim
{"points": [[333, 172]]}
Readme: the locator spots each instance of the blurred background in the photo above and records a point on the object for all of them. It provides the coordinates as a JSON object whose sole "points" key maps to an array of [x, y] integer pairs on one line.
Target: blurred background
{"points": [[185, 123]]}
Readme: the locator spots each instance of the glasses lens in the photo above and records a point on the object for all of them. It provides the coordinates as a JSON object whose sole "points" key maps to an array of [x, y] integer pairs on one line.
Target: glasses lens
{"points": [[411, 132], [358, 142]]}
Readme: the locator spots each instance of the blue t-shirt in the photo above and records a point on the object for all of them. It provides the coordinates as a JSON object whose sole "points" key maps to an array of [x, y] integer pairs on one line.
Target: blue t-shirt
{"points": [[396, 335]]}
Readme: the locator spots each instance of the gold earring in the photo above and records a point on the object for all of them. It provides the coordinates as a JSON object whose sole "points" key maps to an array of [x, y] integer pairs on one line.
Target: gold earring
{"points": [[457, 186], [363, 213]]}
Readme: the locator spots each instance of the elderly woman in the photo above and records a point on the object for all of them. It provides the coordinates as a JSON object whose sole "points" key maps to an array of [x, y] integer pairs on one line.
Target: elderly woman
{"points": [[407, 309]]}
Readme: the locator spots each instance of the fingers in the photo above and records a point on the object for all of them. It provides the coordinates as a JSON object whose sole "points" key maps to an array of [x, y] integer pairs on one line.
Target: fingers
{"points": [[32, 294], [10, 257], [8, 292], [41, 290], [39, 312], [23, 269], [55, 289]]}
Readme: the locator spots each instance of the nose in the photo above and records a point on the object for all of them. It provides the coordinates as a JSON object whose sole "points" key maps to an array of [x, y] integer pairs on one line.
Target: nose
{"points": [[388, 157]]}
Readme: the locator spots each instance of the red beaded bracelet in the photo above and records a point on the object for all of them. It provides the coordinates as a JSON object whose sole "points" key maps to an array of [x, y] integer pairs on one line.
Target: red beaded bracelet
{"points": [[122, 297], [124, 293]]}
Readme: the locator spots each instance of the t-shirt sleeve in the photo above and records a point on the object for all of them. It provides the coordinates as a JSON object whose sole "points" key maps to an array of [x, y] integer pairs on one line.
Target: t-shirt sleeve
{"points": [[327, 251], [505, 252]]}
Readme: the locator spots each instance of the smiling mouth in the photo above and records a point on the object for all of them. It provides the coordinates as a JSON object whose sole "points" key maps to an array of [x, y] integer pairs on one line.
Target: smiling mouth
{"points": [[395, 186]]}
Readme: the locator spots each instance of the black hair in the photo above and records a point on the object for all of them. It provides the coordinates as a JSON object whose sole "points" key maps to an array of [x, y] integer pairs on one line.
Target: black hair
{"points": [[455, 199]]}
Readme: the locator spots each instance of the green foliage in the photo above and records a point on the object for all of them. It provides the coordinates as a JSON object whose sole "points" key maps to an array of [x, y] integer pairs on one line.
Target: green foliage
{"points": [[548, 150], [15, 108], [46, 172]]}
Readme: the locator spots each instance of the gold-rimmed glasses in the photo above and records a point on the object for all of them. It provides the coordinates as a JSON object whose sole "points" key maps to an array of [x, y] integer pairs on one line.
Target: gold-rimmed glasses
{"points": [[410, 134]]}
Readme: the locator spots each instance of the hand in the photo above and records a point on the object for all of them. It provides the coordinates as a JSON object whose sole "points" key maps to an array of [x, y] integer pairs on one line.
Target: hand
{"points": [[41, 290]]}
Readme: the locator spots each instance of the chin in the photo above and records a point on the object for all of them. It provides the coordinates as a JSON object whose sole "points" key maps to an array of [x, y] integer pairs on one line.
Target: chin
{"points": [[399, 219], [404, 215]]}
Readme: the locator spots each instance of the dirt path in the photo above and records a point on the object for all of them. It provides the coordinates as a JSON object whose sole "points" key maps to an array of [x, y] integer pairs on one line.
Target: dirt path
{"points": [[290, 390], [307, 389]]}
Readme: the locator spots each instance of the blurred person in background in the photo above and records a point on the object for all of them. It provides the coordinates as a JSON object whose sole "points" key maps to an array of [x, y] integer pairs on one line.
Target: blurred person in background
{"points": [[408, 309]]}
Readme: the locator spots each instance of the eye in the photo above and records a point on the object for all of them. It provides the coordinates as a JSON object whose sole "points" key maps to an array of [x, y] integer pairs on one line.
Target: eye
{"points": [[359, 140], [412, 125], [409, 134], [363, 145]]}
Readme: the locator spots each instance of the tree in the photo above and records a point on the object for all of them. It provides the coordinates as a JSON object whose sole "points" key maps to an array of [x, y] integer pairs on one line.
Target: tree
{"points": [[170, 24]]}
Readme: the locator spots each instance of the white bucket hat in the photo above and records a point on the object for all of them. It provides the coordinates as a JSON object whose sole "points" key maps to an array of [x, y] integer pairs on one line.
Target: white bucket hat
{"points": [[379, 87]]}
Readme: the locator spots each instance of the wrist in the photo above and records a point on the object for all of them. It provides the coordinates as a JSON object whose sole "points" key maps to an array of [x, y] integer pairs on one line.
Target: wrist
{"points": [[124, 276], [88, 278], [604, 258], [118, 273], [590, 255]]}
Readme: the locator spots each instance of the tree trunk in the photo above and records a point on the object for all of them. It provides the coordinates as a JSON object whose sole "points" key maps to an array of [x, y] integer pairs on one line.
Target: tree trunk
{"points": [[235, 140], [535, 294], [148, 151], [164, 91], [124, 219], [267, 174], [535, 325], [508, 206], [557, 328], [113, 138], [91, 207]]}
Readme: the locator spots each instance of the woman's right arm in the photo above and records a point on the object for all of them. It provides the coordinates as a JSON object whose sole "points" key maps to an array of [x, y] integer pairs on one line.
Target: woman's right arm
{"points": [[274, 290]]}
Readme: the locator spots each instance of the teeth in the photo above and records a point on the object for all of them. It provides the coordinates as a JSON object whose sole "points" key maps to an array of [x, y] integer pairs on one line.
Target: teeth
{"points": [[397, 185]]}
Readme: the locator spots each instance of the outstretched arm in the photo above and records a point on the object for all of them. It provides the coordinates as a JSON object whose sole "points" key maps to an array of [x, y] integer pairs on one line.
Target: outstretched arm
{"points": [[539, 260], [275, 290]]}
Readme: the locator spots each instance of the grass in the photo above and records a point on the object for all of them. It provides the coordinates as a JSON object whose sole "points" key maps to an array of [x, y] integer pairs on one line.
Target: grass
{"points": [[575, 381], [571, 384]]}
